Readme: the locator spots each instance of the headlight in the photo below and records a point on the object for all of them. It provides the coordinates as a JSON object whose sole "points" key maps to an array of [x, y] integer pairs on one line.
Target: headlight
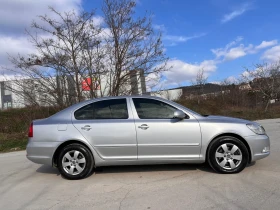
{"points": [[258, 129]]}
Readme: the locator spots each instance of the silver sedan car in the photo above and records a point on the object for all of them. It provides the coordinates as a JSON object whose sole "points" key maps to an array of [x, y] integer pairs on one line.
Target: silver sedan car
{"points": [[132, 130]]}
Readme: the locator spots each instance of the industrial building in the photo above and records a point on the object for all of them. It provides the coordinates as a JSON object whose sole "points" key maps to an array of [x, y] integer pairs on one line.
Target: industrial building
{"points": [[24, 92]]}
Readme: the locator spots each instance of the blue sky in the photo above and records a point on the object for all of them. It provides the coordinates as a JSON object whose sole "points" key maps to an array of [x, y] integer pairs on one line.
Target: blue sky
{"points": [[192, 29], [220, 36]]}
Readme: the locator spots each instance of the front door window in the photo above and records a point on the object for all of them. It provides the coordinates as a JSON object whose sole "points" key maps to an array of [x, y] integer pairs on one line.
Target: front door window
{"points": [[153, 109]]}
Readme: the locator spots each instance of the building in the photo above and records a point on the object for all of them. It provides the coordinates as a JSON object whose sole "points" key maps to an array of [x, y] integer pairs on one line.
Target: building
{"points": [[24, 92], [189, 92], [8, 99], [203, 91]]}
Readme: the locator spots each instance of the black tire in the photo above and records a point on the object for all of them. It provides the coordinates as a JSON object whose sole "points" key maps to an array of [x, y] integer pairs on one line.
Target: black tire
{"points": [[228, 158], [85, 156]]}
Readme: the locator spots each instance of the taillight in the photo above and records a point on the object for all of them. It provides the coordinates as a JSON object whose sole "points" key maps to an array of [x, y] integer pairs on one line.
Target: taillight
{"points": [[30, 132]]}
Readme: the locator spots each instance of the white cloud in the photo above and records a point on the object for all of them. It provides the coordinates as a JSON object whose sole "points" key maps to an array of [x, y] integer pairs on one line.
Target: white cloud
{"points": [[159, 27], [235, 52], [245, 74], [232, 52], [266, 44], [6, 77], [184, 72], [215, 82], [105, 33], [176, 39], [219, 52], [13, 46], [231, 80], [173, 40], [153, 82], [272, 54], [16, 15], [228, 17], [14, 41], [98, 20], [228, 81]]}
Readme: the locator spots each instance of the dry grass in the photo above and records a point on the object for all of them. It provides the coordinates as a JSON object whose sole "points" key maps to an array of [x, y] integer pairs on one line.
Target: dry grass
{"points": [[14, 124], [216, 107]]}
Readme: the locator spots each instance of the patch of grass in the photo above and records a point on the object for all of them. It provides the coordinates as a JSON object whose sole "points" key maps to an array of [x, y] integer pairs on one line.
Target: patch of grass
{"points": [[12, 142], [217, 107], [14, 124]]}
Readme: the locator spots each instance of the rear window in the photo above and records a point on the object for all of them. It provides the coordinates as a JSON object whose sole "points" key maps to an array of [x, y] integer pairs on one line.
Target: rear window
{"points": [[107, 109]]}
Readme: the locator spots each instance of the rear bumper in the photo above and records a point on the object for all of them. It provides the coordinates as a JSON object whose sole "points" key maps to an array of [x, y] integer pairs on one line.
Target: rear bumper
{"points": [[41, 152], [259, 145]]}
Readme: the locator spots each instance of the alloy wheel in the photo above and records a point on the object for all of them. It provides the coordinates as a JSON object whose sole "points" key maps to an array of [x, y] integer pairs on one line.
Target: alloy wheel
{"points": [[228, 156], [73, 162]]}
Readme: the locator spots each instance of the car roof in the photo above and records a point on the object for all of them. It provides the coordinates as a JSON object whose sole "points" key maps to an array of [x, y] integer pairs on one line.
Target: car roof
{"points": [[125, 96]]}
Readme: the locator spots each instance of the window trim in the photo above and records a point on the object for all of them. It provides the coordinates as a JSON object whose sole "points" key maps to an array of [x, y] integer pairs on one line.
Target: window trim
{"points": [[92, 102]]}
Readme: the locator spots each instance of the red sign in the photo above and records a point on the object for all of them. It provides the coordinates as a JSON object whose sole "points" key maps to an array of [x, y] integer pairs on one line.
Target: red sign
{"points": [[86, 84]]}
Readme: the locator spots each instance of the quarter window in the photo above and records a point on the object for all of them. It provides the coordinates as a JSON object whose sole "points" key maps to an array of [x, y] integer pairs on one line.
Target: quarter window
{"points": [[153, 109], [107, 109]]}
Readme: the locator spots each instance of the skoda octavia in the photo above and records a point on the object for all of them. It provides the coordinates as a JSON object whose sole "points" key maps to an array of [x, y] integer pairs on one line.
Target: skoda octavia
{"points": [[142, 130]]}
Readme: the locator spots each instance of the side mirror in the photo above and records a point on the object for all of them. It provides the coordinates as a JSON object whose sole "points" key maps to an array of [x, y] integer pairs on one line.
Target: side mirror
{"points": [[179, 114]]}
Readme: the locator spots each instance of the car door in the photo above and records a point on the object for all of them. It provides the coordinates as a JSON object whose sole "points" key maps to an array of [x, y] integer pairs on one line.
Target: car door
{"points": [[160, 136], [109, 127]]}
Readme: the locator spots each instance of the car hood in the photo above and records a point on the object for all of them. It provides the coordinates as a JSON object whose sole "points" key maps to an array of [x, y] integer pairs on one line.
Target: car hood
{"points": [[217, 118]]}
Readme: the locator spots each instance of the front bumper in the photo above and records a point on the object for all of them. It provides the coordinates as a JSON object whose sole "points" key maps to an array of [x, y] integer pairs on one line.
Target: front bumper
{"points": [[41, 152], [259, 145]]}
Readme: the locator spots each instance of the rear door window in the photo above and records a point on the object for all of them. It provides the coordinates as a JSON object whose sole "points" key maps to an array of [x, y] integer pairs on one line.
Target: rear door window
{"points": [[106, 109]]}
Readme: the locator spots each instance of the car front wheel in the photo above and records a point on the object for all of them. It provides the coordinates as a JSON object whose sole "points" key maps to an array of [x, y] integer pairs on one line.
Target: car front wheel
{"points": [[75, 161], [227, 155]]}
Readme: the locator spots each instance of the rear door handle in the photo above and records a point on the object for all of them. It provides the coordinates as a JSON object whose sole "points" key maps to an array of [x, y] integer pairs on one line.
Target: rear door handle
{"points": [[143, 126], [86, 128]]}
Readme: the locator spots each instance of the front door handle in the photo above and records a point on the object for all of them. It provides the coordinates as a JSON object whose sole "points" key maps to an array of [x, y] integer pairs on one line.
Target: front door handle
{"points": [[143, 126], [86, 128]]}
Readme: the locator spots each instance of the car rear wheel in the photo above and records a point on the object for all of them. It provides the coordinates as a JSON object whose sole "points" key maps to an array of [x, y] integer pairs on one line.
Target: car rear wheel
{"points": [[75, 161], [227, 155]]}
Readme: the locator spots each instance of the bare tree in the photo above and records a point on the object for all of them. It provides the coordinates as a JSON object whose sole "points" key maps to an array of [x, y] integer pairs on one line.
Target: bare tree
{"points": [[131, 45], [74, 57], [201, 80], [199, 83], [230, 91], [265, 79], [66, 55]]}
